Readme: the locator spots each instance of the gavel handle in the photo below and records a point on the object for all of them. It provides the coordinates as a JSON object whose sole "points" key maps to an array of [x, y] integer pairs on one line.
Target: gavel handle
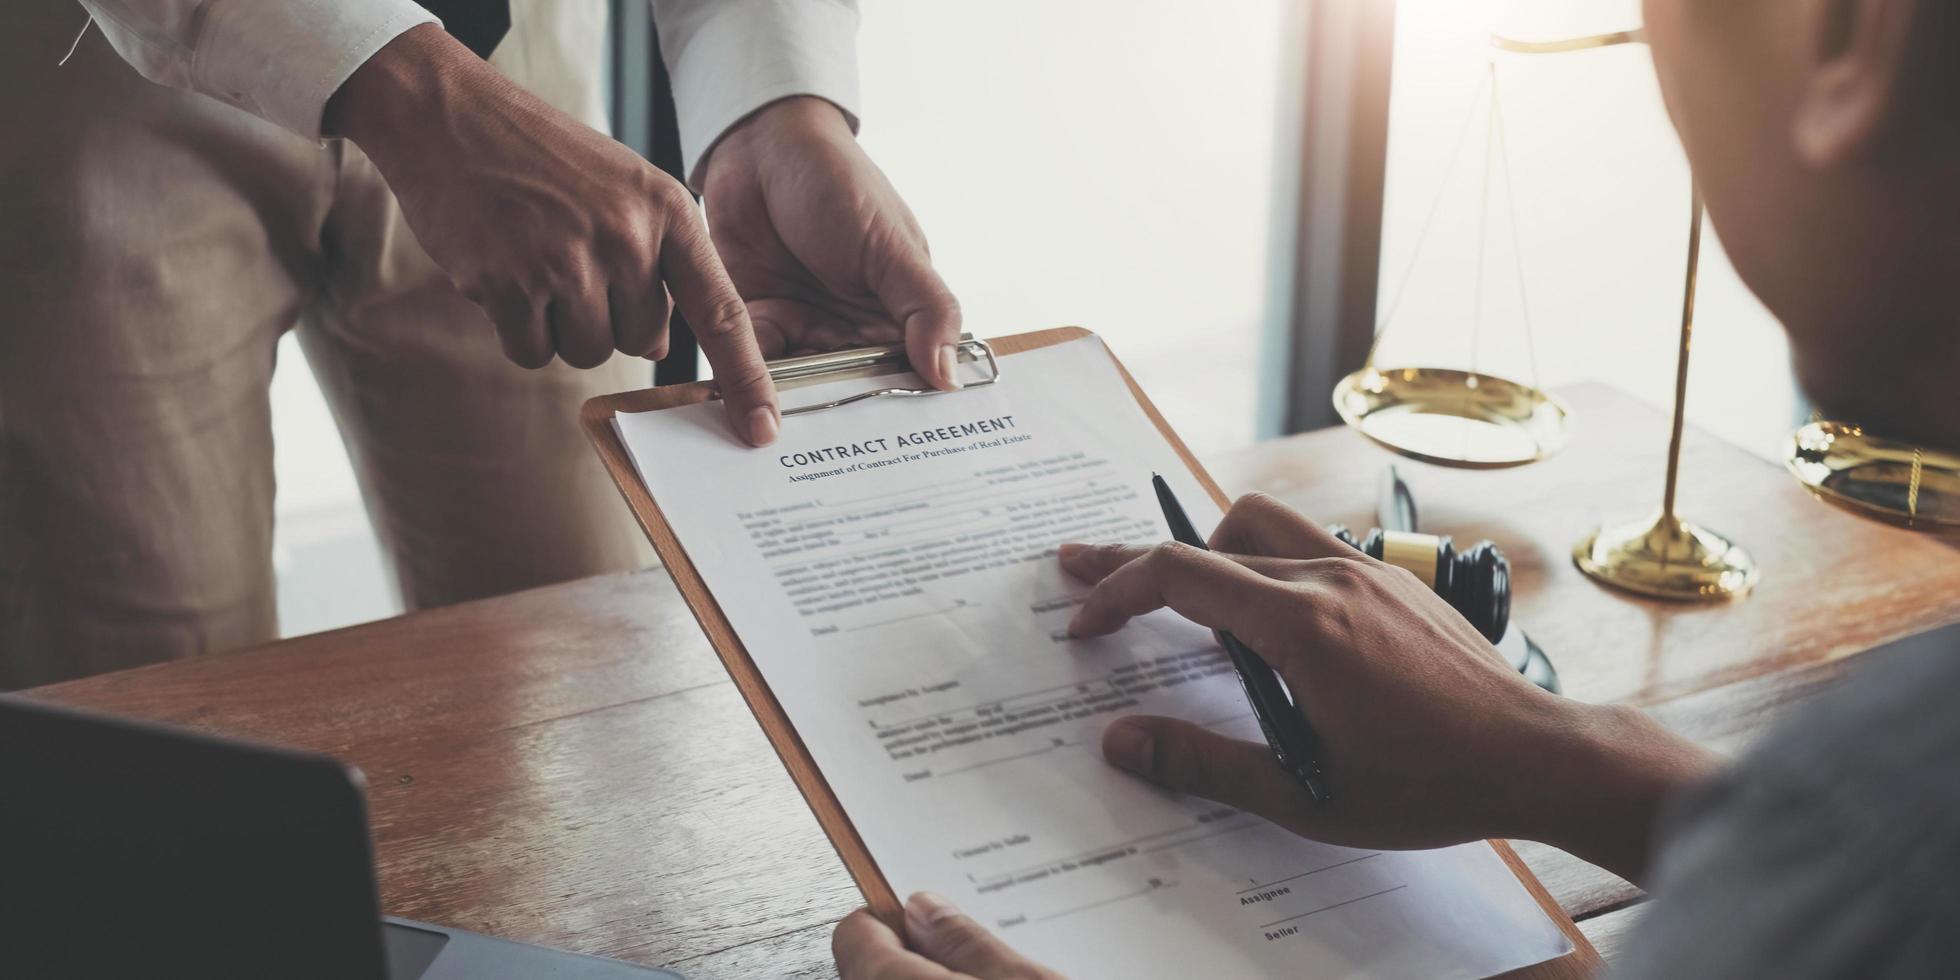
{"points": [[1395, 504]]}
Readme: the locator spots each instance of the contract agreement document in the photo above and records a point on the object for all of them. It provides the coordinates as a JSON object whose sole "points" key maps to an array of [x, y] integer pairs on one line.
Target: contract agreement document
{"points": [[890, 567]]}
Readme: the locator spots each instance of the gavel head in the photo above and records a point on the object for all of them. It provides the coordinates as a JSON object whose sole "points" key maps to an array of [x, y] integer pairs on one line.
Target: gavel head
{"points": [[1475, 582]]}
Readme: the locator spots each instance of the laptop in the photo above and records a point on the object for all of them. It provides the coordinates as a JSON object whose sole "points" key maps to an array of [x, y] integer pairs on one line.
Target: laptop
{"points": [[129, 849]]}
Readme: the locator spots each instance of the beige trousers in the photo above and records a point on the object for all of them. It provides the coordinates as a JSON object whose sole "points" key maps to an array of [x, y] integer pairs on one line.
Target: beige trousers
{"points": [[154, 246]]}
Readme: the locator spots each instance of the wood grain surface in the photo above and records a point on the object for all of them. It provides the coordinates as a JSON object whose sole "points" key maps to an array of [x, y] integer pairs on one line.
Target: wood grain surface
{"points": [[572, 766], [1832, 584], [1611, 932]]}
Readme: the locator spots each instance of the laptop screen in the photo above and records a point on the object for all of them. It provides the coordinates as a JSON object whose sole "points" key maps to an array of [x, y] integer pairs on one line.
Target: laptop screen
{"points": [[133, 849], [410, 950]]}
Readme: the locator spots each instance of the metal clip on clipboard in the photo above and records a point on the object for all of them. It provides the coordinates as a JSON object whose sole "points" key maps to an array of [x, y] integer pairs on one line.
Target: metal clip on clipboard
{"points": [[872, 362]]}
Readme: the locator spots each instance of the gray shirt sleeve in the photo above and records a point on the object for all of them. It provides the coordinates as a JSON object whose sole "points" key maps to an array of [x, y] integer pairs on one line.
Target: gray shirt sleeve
{"points": [[1831, 851]]}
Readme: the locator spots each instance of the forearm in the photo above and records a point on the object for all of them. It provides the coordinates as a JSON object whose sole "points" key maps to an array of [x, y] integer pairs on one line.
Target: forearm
{"points": [[424, 109], [1600, 775], [406, 87]]}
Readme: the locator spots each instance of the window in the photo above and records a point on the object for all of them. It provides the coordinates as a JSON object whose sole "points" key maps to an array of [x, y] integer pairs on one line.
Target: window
{"points": [[1601, 221], [1104, 163]]}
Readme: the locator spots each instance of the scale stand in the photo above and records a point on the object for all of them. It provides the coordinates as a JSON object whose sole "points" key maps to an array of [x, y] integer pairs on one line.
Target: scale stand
{"points": [[1663, 556]]}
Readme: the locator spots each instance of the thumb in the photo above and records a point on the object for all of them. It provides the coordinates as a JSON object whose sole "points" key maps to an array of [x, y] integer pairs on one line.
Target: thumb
{"points": [[916, 299], [944, 935], [1192, 759]]}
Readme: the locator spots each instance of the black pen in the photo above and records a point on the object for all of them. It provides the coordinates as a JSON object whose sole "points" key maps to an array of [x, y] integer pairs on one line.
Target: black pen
{"points": [[1287, 733]]}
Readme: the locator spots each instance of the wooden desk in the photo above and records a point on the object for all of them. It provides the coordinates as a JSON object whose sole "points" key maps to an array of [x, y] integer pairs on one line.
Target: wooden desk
{"points": [[570, 766]]}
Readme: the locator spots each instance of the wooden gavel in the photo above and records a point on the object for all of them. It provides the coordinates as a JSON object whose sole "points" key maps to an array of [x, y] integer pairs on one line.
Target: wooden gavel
{"points": [[1476, 582]]}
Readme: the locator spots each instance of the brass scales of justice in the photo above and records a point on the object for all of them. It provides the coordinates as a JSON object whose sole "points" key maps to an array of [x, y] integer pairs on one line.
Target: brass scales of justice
{"points": [[1471, 419]]}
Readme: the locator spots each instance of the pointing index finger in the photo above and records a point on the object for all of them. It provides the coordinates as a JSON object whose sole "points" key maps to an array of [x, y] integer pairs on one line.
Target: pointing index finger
{"points": [[706, 297], [1093, 562], [1206, 588]]}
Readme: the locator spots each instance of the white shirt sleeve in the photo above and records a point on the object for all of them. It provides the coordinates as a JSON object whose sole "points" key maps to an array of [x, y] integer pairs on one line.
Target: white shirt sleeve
{"points": [[277, 59], [728, 58]]}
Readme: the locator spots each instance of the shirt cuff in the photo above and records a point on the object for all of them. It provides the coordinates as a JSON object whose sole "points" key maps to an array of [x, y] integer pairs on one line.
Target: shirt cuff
{"points": [[283, 61], [745, 54]]}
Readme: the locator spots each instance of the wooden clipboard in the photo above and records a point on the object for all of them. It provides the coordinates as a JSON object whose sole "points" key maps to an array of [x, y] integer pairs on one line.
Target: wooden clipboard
{"points": [[597, 416]]}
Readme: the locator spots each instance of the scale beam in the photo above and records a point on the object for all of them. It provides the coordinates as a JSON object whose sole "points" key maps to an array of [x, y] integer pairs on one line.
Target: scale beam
{"points": [[1636, 36]]}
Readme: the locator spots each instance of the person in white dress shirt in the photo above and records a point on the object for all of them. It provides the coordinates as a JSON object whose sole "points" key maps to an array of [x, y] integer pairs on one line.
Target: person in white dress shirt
{"points": [[465, 254]]}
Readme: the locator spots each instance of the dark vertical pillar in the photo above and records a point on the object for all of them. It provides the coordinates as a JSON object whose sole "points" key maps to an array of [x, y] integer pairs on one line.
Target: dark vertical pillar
{"points": [[643, 118], [1325, 294]]}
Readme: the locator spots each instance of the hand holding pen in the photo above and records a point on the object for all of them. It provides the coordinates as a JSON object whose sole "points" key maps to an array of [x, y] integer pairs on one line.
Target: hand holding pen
{"points": [[1411, 704], [1288, 734]]}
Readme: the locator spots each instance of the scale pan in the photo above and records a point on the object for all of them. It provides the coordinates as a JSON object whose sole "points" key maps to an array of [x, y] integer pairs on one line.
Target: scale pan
{"points": [[1890, 481], [1452, 418]]}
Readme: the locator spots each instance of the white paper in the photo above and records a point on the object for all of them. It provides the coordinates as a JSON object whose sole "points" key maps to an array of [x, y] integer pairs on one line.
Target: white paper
{"points": [[890, 567]]}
